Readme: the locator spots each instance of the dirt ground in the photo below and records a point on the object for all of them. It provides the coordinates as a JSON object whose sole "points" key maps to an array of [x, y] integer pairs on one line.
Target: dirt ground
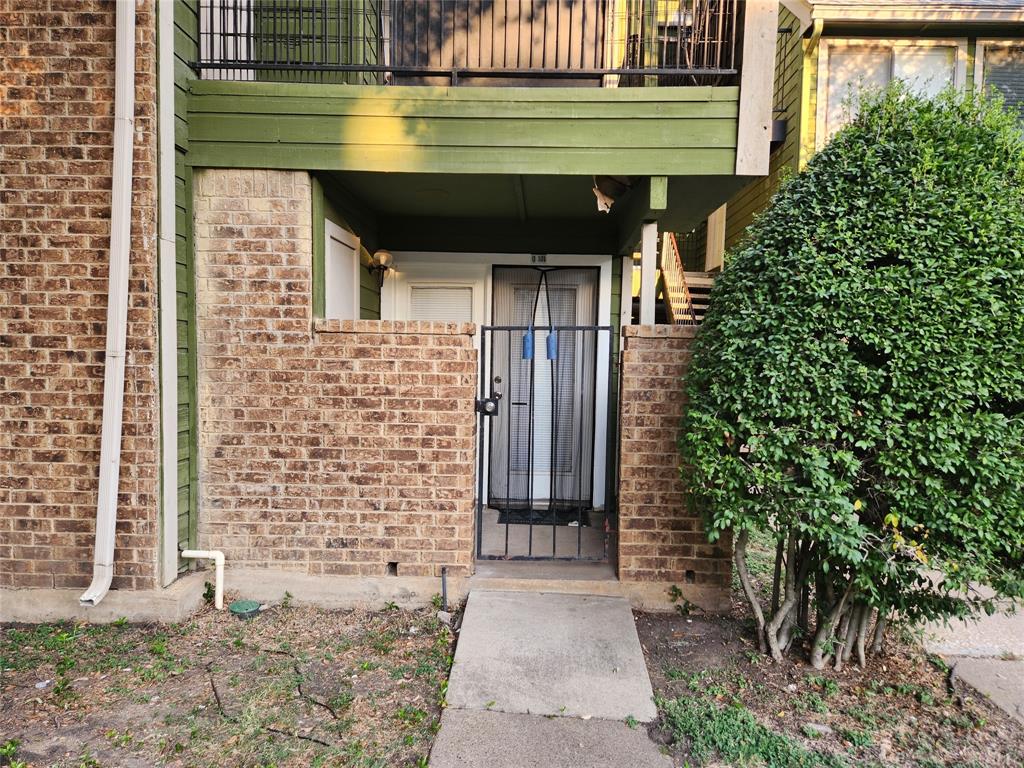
{"points": [[731, 705], [294, 686]]}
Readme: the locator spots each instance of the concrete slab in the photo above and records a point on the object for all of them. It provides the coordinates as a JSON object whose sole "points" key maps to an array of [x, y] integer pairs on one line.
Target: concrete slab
{"points": [[544, 570], [173, 604], [1001, 634], [999, 679], [550, 654], [499, 740]]}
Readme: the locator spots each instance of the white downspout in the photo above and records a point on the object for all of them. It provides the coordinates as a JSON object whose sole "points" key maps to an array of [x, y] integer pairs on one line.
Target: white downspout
{"points": [[117, 303]]}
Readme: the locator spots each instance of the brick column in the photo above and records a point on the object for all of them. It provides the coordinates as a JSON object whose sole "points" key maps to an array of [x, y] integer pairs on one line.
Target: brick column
{"points": [[327, 447], [56, 154], [659, 539]]}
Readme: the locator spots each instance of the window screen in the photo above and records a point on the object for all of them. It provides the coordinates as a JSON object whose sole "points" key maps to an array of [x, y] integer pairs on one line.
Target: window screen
{"points": [[851, 70], [1004, 71], [926, 69], [443, 303]]}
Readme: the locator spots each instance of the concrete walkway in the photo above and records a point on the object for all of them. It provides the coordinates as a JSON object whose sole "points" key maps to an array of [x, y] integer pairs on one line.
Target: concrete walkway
{"points": [[987, 654], [547, 680]]}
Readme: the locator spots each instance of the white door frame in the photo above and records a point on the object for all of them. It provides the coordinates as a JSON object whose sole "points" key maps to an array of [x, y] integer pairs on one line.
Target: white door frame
{"points": [[424, 267]]}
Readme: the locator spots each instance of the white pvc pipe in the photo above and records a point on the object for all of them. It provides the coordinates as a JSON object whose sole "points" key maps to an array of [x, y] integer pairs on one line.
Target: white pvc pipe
{"points": [[117, 303], [218, 573]]}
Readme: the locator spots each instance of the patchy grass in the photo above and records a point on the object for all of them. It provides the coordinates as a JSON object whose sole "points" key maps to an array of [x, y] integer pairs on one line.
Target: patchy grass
{"points": [[721, 704], [296, 686], [732, 732]]}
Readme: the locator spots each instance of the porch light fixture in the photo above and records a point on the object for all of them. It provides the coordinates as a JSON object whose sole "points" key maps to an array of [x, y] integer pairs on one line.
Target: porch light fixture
{"points": [[379, 265]]}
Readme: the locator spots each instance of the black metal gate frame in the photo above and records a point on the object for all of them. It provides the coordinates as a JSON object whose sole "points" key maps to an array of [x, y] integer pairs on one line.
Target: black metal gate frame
{"points": [[486, 402]]}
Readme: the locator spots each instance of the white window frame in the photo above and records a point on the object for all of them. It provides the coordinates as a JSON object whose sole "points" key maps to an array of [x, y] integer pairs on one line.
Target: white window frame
{"points": [[342, 235], [979, 55], [475, 292], [881, 44]]}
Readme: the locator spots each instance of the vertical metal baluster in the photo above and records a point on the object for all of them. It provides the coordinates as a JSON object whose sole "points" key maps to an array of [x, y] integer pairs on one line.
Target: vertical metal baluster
{"points": [[324, 32], [529, 446], [568, 50], [611, 501], [273, 31], [504, 33], [579, 459], [583, 37], [480, 447], [508, 435], [553, 464], [222, 51]]}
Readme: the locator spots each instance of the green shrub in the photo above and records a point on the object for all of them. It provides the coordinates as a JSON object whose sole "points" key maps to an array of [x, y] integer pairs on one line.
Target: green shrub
{"points": [[857, 388]]}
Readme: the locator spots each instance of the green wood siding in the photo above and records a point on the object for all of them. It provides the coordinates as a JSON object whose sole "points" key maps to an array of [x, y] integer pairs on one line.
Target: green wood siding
{"points": [[629, 131], [186, 37]]}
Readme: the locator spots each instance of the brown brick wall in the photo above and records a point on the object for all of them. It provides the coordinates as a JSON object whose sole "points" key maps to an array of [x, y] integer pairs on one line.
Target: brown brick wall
{"points": [[56, 133], [330, 450], [659, 540]]}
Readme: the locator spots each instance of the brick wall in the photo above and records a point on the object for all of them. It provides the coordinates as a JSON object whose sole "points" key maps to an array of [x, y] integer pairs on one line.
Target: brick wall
{"points": [[56, 133], [335, 449], [659, 540]]}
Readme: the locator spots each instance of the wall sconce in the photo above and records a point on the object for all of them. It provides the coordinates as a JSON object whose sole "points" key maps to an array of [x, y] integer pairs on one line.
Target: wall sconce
{"points": [[379, 265]]}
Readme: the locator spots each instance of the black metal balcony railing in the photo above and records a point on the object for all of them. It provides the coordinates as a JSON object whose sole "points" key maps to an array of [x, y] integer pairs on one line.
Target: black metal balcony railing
{"points": [[470, 42]]}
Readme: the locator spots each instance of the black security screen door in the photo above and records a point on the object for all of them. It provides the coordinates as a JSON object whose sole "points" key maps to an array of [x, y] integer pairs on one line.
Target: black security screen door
{"points": [[541, 356]]}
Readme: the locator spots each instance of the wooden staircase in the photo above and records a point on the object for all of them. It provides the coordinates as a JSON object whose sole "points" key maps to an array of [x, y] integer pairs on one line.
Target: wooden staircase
{"points": [[699, 285], [686, 294]]}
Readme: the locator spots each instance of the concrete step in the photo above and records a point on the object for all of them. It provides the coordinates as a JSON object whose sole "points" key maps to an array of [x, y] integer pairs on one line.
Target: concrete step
{"points": [[550, 654], [471, 739]]}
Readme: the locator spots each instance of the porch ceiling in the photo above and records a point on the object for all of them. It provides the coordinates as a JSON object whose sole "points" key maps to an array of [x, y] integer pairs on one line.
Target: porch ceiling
{"points": [[512, 213]]}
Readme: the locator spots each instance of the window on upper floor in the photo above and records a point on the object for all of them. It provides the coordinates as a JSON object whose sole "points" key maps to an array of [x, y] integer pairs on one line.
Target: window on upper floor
{"points": [[846, 68], [999, 64]]}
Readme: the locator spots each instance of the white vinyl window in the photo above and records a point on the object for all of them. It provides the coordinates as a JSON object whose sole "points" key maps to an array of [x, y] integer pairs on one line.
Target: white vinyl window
{"points": [[847, 68], [341, 273], [442, 303], [999, 65]]}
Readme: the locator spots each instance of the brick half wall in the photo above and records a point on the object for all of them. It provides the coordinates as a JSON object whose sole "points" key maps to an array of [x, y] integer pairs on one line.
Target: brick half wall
{"points": [[659, 539], [326, 447]]}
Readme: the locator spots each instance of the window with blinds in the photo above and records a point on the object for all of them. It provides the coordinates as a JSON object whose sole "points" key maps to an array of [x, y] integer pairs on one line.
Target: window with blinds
{"points": [[855, 67], [442, 303], [1004, 71]]}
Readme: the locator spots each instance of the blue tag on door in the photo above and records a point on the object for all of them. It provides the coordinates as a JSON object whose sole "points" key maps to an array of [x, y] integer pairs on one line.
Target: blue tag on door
{"points": [[528, 344], [552, 346]]}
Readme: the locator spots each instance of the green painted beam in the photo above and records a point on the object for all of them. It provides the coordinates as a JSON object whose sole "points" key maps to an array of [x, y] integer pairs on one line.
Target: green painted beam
{"points": [[645, 202], [319, 248], [444, 93], [658, 198], [527, 161]]}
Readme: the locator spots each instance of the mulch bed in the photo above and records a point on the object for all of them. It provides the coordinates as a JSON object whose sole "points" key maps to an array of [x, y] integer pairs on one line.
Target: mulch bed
{"points": [[901, 710], [295, 686]]}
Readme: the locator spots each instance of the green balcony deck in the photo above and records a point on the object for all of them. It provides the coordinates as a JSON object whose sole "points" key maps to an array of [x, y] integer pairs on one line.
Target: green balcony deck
{"points": [[670, 131]]}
